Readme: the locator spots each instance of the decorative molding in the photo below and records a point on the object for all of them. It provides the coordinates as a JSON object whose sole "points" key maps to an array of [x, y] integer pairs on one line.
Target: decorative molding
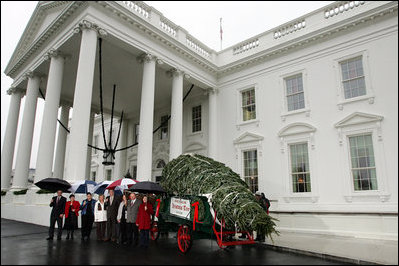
{"points": [[55, 53], [248, 137], [296, 128], [88, 25], [13, 90], [34, 73], [146, 57], [358, 118], [196, 146], [174, 72]]}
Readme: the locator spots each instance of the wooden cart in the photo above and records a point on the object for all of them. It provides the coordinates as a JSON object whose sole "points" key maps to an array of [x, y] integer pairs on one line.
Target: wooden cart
{"points": [[192, 218]]}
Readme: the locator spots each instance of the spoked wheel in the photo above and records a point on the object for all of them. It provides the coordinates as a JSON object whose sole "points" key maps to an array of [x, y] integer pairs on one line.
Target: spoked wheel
{"points": [[184, 238], [154, 231]]}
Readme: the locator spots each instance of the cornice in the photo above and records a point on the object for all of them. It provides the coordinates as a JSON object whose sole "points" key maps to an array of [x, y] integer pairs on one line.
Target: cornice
{"points": [[17, 61], [301, 41]]}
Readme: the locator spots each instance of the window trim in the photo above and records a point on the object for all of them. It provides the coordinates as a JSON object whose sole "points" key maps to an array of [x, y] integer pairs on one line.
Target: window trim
{"points": [[201, 118], [369, 96], [290, 164], [239, 118], [284, 105]]}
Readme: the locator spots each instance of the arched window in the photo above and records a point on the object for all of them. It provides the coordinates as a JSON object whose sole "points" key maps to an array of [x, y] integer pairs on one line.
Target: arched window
{"points": [[161, 164]]}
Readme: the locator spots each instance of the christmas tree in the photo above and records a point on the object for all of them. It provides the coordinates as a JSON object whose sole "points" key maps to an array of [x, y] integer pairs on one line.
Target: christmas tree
{"points": [[231, 198]]}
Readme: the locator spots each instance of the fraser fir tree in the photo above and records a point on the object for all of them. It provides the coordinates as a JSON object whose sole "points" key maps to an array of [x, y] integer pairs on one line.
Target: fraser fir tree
{"points": [[231, 198]]}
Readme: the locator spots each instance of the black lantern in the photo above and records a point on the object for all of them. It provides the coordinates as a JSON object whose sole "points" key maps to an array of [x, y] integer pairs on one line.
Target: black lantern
{"points": [[109, 157]]}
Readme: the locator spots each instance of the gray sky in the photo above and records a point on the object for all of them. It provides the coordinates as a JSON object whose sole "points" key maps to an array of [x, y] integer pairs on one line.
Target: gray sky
{"points": [[240, 20]]}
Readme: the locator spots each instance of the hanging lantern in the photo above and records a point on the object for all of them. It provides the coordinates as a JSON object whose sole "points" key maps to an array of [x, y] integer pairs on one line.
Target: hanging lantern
{"points": [[109, 157]]}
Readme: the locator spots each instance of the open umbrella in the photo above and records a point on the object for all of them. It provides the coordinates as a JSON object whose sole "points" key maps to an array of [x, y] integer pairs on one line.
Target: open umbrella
{"points": [[101, 188], [123, 183], [147, 187], [82, 187], [53, 184]]}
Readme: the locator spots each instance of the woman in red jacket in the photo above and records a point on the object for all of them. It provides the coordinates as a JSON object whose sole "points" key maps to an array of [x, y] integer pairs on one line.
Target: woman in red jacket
{"points": [[143, 221], [71, 215]]}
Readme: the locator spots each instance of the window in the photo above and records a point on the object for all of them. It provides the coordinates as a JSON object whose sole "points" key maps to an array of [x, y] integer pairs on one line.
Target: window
{"points": [[161, 164], [109, 174], [248, 105], [93, 175], [158, 179], [251, 169], [196, 118], [353, 77], [95, 144], [295, 94], [300, 167], [136, 133], [135, 172], [362, 162], [164, 128]]}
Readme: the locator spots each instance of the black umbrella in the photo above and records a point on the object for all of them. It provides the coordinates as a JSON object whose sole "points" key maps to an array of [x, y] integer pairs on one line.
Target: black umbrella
{"points": [[53, 184], [147, 187]]}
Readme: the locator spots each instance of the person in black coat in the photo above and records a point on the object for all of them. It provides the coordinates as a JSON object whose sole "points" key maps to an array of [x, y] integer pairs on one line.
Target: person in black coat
{"points": [[57, 214], [112, 205]]}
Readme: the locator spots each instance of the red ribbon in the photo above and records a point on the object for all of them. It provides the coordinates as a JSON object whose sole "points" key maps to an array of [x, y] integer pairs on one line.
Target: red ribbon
{"points": [[158, 205], [195, 204]]}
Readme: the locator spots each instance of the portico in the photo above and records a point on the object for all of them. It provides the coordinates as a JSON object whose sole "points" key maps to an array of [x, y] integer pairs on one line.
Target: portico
{"points": [[147, 76]]}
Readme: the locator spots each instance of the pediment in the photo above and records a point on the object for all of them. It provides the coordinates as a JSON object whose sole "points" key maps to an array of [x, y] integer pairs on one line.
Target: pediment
{"points": [[296, 128], [358, 118], [45, 13], [196, 146], [248, 137]]}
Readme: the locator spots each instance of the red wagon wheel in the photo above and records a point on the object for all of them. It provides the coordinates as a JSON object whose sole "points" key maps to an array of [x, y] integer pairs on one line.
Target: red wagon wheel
{"points": [[154, 231], [184, 238]]}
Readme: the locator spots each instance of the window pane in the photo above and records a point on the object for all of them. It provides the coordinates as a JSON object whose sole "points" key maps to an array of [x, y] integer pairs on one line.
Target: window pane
{"points": [[362, 162], [300, 167], [353, 77], [251, 169]]}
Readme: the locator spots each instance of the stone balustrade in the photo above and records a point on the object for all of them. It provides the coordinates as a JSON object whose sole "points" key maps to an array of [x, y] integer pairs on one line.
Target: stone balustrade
{"points": [[243, 47], [341, 7], [168, 26], [138, 8], [196, 46], [289, 29]]}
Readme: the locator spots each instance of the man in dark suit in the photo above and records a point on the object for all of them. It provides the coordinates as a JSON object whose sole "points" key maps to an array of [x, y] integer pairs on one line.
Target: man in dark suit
{"points": [[57, 214], [133, 205], [111, 205]]}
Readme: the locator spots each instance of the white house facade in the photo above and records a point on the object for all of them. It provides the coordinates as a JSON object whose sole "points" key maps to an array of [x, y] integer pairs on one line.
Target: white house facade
{"points": [[306, 112]]}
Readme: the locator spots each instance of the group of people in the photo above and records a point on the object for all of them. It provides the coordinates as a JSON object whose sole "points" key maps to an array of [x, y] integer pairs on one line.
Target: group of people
{"points": [[118, 219]]}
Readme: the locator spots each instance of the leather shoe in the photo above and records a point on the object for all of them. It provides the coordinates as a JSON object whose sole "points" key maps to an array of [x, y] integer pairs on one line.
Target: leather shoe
{"points": [[49, 238]]}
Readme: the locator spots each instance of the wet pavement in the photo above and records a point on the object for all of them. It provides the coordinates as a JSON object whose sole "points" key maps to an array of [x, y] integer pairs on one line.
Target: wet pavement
{"points": [[23, 243]]}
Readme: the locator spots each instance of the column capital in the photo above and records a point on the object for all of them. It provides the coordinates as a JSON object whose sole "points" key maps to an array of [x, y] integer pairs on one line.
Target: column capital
{"points": [[55, 53], [88, 25], [212, 90], [65, 103], [174, 72], [13, 90], [32, 74], [147, 57]]}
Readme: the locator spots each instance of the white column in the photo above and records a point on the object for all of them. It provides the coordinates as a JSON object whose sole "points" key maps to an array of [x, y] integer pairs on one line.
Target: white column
{"points": [[212, 116], [7, 154], [59, 161], [176, 120], [45, 154], [120, 160], [80, 123], [144, 153], [26, 136], [89, 150]]}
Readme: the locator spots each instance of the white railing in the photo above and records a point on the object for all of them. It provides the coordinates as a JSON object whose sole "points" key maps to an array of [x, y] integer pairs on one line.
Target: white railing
{"points": [[289, 29], [168, 27], [342, 7], [246, 46], [193, 44], [137, 7]]}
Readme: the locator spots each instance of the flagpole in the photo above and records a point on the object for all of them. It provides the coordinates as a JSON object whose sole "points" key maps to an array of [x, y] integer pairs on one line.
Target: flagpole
{"points": [[221, 32]]}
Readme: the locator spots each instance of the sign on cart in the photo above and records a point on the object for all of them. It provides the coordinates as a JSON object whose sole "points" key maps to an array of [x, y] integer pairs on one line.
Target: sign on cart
{"points": [[180, 207]]}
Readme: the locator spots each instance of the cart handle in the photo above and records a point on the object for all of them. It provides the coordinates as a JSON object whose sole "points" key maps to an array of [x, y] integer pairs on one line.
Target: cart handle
{"points": [[195, 205], [158, 206]]}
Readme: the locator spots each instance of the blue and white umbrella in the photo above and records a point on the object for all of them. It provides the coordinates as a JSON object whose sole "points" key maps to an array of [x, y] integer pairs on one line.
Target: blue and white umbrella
{"points": [[82, 187], [101, 188]]}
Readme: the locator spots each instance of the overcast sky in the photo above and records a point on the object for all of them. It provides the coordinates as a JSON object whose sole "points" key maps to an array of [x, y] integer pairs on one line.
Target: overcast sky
{"points": [[240, 20]]}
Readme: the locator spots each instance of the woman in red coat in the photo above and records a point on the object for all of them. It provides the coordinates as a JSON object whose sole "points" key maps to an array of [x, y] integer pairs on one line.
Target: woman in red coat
{"points": [[71, 215], [143, 221]]}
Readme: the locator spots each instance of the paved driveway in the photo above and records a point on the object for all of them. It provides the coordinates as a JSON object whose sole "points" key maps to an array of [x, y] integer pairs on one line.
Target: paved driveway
{"points": [[23, 243]]}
